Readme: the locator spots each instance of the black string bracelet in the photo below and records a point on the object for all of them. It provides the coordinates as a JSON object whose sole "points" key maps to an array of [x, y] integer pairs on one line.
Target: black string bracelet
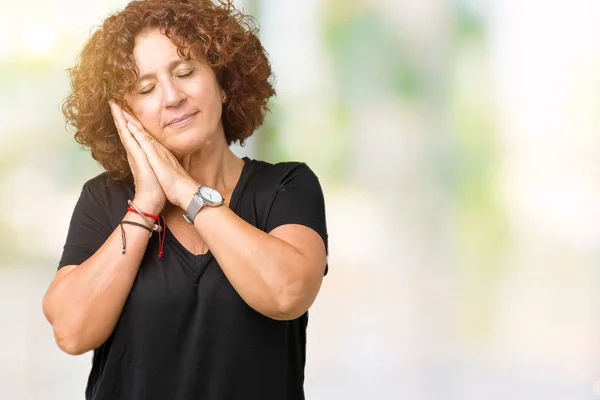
{"points": [[123, 239]]}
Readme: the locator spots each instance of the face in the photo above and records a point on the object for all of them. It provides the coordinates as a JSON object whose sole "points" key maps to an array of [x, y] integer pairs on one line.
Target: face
{"points": [[179, 102]]}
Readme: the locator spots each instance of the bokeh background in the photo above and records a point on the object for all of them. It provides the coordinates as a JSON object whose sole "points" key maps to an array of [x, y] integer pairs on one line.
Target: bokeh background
{"points": [[457, 142]]}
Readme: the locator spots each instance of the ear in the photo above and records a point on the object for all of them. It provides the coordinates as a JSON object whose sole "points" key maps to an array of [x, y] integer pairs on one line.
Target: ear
{"points": [[223, 96]]}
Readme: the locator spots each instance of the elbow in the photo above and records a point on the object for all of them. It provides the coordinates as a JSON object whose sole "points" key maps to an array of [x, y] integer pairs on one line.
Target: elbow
{"points": [[66, 340], [293, 300], [287, 314], [71, 348], [291, 305], [69, 343]]}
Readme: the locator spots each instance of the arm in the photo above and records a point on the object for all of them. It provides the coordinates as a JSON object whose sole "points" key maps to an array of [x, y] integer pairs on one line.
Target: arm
{"points": [[278, 274], [84, 302]]}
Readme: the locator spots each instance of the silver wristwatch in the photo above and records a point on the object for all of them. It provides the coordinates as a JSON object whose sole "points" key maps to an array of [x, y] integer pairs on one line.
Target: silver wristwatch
{"points": [[204, 196]]}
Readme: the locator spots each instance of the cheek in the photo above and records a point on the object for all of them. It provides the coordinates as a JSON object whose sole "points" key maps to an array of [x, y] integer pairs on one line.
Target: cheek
{"points": [[149, 118], [145, 112], [206, 91]]}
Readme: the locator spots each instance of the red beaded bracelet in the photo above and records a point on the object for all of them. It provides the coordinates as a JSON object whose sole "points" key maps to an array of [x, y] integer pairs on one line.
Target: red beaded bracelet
{"points": [[157, 227], [145, 213]]}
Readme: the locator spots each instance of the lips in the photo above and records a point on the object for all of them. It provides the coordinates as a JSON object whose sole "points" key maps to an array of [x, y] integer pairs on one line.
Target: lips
{"points": [[181, 121]]}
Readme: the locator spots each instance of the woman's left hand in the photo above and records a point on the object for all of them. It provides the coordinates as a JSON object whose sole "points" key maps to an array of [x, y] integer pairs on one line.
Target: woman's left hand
{"points": [[176, 183]]}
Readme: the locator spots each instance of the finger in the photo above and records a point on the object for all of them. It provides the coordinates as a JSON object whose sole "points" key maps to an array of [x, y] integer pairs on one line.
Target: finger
{"points": [[131, 118], [130, 161], [114, 110], [140, 128], [144, 139], [121, 124]]}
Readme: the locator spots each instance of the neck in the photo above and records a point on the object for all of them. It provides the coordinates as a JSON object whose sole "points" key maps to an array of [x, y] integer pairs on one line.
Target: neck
{"points": [[214, 165]]}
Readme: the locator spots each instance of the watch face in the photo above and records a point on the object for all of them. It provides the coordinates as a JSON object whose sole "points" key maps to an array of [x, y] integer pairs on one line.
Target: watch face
{"points": [[211, 195]]}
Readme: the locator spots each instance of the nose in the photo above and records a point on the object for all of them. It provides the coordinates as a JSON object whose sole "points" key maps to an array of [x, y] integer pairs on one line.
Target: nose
{"points": [[173, 95]]}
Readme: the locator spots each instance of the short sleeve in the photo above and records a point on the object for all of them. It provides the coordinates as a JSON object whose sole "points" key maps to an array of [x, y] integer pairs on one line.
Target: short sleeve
{"points": [[88, 230], [299, 200]]}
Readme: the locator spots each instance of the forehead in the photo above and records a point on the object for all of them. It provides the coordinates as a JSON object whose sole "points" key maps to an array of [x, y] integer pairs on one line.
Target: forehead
{"points": [[153, 50]]}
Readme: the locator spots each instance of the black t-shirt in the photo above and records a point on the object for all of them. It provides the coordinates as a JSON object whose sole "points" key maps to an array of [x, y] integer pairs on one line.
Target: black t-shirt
{"points": [[184, 332]]}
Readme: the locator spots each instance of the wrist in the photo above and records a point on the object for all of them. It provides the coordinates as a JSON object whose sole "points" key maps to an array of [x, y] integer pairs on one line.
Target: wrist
{"points": [[147, 206], [149, 218], [188, 189]]}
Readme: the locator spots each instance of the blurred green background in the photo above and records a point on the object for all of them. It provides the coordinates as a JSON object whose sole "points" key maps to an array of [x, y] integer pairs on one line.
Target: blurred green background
{"points": [[457, 144]]}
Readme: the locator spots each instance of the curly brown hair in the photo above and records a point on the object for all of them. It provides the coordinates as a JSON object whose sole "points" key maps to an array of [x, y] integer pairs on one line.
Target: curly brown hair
{"points": [[216, 33]]}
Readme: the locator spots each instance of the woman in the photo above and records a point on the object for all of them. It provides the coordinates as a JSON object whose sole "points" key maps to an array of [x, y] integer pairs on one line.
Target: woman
{"points": [[188, 270]]}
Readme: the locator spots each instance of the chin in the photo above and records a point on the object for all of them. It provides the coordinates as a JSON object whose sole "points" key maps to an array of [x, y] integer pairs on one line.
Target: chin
{"points": [[182, 145]]}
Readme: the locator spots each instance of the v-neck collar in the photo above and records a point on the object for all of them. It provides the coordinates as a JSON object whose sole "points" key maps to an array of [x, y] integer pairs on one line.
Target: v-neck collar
{"points": [[200, 260]]}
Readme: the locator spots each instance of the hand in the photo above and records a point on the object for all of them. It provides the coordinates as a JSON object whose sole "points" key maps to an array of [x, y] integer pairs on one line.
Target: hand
{"points": [[149, 196], [175, 182]]}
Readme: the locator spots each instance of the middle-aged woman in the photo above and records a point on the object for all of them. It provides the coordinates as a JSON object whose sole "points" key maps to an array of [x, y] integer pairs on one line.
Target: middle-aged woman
{"points": [[188, 270]]}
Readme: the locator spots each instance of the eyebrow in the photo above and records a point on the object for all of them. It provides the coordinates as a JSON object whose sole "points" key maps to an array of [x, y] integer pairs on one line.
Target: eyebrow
{"points": [[171, 65]]}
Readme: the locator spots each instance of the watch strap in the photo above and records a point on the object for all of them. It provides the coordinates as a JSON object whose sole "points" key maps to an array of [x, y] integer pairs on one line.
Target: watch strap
{"points": [[193, 209]]}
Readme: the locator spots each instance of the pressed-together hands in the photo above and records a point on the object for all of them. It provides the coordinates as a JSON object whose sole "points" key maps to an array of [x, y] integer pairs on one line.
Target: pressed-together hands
{"points": [[157, 173]]}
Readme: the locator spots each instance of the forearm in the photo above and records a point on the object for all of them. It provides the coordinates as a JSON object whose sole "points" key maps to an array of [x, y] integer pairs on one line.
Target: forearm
{"points": [[84, 304], [264, 270]]}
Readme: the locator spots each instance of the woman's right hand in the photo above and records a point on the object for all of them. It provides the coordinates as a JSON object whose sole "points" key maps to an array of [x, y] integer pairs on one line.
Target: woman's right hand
{"points": [[149, 196]]}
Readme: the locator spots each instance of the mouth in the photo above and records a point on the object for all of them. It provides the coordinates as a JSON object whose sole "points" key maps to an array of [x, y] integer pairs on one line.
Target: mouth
{"points": [[182, 121]]}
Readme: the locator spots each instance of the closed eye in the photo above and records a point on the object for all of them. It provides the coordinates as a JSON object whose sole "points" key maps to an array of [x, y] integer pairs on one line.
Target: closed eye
{"points": [[146, 91], [186, 74]]}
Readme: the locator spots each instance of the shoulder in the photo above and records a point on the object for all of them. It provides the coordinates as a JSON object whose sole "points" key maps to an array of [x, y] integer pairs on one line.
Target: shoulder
{"points": [[282, 173], [106, 194], [101, 183]]}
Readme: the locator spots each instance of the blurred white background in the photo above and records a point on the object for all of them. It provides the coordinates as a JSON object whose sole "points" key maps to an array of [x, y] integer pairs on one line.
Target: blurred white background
{"points": [[457, 143]]}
